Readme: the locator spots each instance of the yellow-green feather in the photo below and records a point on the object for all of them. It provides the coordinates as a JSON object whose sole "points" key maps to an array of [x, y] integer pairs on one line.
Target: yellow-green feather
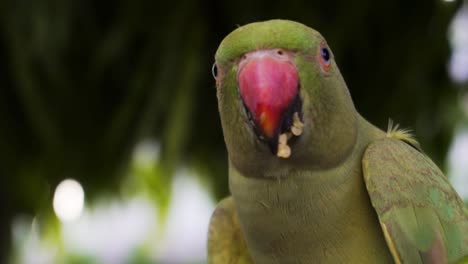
{"points": [[403, 134]]}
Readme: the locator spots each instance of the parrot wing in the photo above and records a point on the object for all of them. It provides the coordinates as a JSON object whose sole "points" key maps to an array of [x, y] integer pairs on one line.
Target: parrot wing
{"points": [[421, 216], [226, 243]]}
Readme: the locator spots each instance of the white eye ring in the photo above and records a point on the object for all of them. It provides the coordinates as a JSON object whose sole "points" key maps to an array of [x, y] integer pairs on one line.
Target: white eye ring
{"points": [[214, 71]]}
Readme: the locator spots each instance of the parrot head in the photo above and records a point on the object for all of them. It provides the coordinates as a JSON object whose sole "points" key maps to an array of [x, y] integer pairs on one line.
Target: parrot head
{"points": [[282, 100]]}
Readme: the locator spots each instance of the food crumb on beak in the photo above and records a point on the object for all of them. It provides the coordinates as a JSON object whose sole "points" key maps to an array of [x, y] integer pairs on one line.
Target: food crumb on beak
{"points": [[283, 139], [284, 150], [297, 126]]}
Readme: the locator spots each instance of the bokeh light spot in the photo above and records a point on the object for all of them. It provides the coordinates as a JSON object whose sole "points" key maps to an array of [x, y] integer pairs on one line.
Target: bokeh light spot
{"points": [[458, 162], [68, 200], [146, 153], [458, 36]]}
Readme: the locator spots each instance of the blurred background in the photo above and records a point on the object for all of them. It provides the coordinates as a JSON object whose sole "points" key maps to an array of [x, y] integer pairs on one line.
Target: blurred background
{"points": [[111, 149]]}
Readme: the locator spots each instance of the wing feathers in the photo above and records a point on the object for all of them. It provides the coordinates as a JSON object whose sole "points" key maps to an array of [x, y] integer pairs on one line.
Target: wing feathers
{"points": [[422, 217]]}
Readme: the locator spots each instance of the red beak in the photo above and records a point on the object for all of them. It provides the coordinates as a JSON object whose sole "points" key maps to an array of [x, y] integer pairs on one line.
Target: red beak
{"points": [[268, 84]]}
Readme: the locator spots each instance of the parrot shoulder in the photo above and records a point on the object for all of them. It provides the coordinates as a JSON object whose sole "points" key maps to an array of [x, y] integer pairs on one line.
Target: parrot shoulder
{"points": [[422, 217], [226, 243]]}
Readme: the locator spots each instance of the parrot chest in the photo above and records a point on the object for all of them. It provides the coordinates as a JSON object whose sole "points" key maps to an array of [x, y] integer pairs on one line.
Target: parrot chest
{"points": [[304, 219]]}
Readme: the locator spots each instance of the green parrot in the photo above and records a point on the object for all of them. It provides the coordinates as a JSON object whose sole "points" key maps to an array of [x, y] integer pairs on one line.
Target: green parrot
{"points": [[311, 180]]}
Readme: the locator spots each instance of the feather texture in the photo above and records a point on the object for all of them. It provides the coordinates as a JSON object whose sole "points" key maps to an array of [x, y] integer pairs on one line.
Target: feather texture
{"points": [[403, 134]]}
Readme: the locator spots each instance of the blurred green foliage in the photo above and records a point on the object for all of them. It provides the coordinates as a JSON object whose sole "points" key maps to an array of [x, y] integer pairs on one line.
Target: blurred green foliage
{"points": [[83, 81]]}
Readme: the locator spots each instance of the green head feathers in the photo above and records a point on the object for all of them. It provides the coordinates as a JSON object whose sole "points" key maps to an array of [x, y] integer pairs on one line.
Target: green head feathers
{"points": [[265, 35], [323, 103]]}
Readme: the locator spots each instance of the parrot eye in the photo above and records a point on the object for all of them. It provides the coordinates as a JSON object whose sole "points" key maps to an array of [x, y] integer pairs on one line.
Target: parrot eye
{"points": [[325, 57], [214, 71], [325, 54]]}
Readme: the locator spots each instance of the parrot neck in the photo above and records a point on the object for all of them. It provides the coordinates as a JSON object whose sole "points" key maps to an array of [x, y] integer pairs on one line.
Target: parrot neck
{"points": [[321, 215]]}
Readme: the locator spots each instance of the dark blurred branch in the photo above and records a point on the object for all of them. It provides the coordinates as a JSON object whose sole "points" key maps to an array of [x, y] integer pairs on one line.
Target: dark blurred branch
{"points": [[28, 91]]}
